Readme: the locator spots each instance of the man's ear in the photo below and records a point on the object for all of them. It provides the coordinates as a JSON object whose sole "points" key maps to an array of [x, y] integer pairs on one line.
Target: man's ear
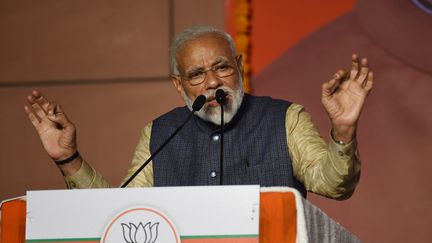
{"points": [[240, 64], [177, 83]]}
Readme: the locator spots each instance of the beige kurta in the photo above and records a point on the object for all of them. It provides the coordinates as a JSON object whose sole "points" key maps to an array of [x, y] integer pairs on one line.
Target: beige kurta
{"points": [[331, 170]]}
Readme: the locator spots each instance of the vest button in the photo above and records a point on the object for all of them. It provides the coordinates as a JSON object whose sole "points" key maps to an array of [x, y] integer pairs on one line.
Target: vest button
{"points": [[216, 137], [213, 174]]}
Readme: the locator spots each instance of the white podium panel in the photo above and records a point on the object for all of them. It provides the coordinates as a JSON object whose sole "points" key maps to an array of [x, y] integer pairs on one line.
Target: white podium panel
{"points": [[144, 215]]}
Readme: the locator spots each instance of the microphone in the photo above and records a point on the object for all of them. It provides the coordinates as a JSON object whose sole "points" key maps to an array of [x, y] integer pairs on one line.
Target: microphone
{"points": [[220, 96], [221, 99], [198, 103], [196, 106]]}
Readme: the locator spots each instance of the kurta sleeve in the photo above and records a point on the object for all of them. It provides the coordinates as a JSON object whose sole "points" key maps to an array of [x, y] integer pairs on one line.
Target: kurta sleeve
{"points": [[142, 153], [88, 177], [331, 170]]}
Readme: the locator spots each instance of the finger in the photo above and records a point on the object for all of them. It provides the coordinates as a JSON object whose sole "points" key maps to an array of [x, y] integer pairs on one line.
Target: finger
{"points": [[34, 119], [57, 115], [37, 94], [32, 100], [41, 99], [364, 70], [354, 67], [339, 77], [369, 82], [51, 108], [341, 74], [327, 87], [59, 110], [330, 87], [36, 107]]}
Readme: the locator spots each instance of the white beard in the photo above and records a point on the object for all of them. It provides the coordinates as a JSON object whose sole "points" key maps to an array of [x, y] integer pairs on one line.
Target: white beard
{"points": [[213, 114]]}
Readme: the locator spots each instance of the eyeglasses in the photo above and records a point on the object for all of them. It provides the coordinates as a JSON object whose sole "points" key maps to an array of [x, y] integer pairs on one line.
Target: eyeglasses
{"points": [[221, 70]]}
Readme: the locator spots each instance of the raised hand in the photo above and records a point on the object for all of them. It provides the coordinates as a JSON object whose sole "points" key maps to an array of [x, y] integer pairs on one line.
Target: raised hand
{"points": [[57, 133], [343, 98]]}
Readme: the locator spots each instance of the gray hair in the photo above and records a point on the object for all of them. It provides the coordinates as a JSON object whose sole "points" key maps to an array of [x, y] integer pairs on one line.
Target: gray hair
{"points": [[193, 33]]}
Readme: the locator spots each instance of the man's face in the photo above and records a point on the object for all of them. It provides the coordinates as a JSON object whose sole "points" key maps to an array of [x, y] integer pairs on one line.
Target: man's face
{"points": [[200, 55]]}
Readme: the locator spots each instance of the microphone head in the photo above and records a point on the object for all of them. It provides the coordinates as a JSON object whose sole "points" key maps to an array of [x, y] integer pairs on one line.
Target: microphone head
{"points": [[199, 103], [220, 96]]}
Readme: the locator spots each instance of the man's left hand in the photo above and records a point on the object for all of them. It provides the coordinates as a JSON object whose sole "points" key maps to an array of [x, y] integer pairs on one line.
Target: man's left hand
{"points": [[343, 98]]}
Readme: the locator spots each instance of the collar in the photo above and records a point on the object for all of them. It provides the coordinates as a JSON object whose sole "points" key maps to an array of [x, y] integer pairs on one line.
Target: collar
{"points": [[207, 126]]}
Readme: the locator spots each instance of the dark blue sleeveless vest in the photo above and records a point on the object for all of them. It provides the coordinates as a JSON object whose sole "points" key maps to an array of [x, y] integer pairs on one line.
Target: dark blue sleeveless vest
{"points": [[255, 148]]}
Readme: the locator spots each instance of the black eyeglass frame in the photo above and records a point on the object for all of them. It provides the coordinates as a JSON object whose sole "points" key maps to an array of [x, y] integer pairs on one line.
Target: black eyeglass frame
{"points": [[204, 72]]}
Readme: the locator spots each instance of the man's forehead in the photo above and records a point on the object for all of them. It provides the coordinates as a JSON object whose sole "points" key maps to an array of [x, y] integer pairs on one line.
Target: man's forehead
{"points": [[208, 42], [208, 48]]}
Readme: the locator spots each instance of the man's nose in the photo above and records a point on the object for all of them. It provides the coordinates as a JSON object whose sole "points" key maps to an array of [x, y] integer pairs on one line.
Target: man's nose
{"points": [[212, 81]]}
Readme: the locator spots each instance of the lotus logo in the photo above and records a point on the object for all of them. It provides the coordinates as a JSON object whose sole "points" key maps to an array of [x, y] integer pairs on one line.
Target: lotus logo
{"points": [[140, 234], [140, 225]]}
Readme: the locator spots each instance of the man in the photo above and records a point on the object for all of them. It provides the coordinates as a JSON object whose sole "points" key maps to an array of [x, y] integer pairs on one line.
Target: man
{"points": [[268, 142]]}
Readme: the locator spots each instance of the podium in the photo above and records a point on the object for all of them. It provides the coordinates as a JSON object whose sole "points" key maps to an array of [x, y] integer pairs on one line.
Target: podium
{"points": [[189, 214]]}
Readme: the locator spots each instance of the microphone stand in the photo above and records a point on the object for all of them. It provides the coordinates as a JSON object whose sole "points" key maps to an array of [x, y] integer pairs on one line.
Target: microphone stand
{"points": [[221, 99], [197, 105], [221, 145]]}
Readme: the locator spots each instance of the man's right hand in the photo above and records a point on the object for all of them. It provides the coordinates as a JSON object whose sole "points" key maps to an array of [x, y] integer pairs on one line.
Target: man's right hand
{"points": [[57, 133]]}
